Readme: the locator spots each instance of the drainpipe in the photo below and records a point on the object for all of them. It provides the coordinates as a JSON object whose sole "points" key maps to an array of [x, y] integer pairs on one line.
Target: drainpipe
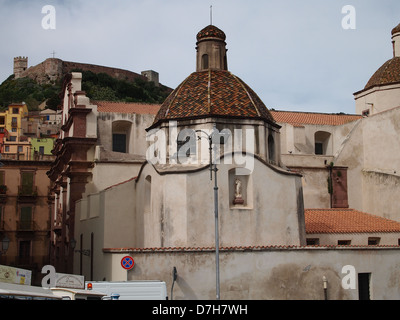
{"points": [[174, 277]]}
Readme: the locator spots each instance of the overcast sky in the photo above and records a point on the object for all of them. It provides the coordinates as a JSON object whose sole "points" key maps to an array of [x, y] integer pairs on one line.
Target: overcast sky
{"points": [[296, 55]]}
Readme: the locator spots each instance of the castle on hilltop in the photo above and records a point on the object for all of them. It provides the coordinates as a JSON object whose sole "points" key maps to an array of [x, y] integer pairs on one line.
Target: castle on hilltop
{"points": [[52, 69]]}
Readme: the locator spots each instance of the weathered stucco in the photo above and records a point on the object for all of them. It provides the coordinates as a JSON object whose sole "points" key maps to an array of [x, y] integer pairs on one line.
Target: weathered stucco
{"points": [[269, 273]]}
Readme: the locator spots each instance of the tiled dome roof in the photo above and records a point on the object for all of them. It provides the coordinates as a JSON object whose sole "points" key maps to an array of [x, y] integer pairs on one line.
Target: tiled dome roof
{"points": [[213, 93], [396, 29], [387, 74], [211, 32]]}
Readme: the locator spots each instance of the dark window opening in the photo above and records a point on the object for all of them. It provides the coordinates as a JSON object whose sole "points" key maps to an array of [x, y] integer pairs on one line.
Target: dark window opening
{"points": [[319, 149], [119, 142], [204, 61], [365, 113], [344, 242], [271, 148], [312, 241], [373, 241]]}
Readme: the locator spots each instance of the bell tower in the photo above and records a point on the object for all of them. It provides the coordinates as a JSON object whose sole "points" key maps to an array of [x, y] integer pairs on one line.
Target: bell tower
{"points": [[211, 49]]}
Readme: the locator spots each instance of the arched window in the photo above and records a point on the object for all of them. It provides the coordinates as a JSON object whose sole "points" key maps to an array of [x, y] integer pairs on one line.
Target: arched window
{"points": [[120, 136], [204, 61], [322, 143], [147, 195], [271, 148]]}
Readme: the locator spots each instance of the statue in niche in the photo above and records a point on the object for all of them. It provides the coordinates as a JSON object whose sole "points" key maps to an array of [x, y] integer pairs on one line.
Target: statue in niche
{"points": [[238, 192]]}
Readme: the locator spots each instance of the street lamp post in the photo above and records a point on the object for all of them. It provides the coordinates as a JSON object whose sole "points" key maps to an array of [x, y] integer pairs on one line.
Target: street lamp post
{"points": [[213, 167]]}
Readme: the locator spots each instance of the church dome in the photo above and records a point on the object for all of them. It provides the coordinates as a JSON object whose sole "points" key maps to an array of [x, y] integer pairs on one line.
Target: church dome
{"points": [[211, 32], [388, 73], [213, 93]]}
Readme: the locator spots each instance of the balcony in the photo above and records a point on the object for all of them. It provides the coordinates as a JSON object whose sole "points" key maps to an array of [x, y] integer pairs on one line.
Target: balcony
{"points": [[26, 226], [27, 193]]}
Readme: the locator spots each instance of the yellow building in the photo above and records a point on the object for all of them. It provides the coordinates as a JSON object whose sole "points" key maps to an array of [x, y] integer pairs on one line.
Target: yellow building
{"points": [[14, 144]]}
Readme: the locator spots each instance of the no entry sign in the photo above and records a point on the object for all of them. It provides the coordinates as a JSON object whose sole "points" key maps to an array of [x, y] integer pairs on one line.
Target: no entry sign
{"points": [[127, 262]]}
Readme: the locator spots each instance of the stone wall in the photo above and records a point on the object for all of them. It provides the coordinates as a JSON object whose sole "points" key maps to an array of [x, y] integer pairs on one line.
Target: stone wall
{"points": [[52, 69]]}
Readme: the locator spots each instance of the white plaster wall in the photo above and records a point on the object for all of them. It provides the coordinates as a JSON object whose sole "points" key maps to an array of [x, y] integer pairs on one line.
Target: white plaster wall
{"points": [[378, 99], [271, 273]]}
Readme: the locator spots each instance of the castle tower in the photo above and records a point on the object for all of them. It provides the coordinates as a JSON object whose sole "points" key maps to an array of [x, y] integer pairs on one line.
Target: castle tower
{"points": [[20, 65]]}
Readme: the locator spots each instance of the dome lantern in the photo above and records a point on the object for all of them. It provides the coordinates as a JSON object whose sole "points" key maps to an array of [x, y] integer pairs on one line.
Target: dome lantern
{"points": [[396, 41], [211, 49]]}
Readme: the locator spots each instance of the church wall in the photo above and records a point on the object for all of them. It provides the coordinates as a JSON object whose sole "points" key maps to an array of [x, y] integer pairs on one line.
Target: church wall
{"points": [[371, 154], [268, 272], [181, 212], [378, 99], [136, 138]]}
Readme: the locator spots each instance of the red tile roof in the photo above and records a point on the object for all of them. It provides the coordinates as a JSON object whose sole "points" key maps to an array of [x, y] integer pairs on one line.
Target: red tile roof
{"points": [[127, 107], [301, 118], [346, 221], [213, 93], [388, 73], [211, 32]]}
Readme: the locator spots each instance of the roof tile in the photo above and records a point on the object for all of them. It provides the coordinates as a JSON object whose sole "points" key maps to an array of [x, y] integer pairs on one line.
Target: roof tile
{"points": [[300, 118], [346, 221], [213, 93], [127, 107]]}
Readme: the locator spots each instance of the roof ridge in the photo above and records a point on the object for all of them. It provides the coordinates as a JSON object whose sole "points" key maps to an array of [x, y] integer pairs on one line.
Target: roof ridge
{"points": [[247, 92]]}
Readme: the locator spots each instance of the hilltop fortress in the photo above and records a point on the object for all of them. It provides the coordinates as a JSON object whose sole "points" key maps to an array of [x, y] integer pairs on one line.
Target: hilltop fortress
{"points": [[52, 69]]}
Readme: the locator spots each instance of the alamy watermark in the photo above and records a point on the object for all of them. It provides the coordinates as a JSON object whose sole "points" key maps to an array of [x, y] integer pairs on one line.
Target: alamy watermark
{"points": [[349, 20], [201, 147], [49, 20]]}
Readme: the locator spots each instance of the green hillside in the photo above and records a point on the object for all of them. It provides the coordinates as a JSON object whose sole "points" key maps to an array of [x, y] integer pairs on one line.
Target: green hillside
{"points": [[98, 86]]}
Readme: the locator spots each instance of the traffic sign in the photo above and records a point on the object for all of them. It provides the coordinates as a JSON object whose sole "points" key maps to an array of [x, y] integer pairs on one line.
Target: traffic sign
{"points": [[127, 262]]}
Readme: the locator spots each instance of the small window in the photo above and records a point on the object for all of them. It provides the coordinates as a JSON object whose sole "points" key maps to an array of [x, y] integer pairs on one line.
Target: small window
{"points": [[312, 241], [2, 120], [271, 148], [7, 148], [15, 110], [365, 113], [319, 148], [204, 61], [41, 150], [373, 241], [119, 142], [12, 138], [20, 149], [344, 242], [26, 218], [26, 183]]}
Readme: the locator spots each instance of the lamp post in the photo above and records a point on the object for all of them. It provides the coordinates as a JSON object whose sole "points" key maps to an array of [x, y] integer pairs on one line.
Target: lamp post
{"points": [[213, 167]]}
